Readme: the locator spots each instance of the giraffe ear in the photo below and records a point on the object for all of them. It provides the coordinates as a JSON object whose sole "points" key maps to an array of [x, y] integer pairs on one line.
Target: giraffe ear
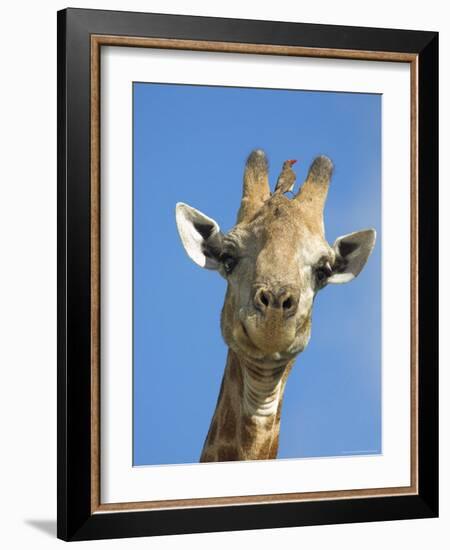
{"points": [[352, 252], [200, 235]]}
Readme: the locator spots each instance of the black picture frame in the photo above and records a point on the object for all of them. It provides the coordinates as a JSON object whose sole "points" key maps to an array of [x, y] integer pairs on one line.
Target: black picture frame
{"points": [[75, 518]]}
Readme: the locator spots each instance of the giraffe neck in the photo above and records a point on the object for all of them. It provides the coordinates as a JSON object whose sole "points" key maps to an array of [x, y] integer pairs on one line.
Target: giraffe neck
{"points": [[246, 421]]}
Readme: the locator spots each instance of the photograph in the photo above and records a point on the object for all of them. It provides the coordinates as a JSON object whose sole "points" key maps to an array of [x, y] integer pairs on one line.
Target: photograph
{"points": [[246, 268], [224, 304], [279, 193]]}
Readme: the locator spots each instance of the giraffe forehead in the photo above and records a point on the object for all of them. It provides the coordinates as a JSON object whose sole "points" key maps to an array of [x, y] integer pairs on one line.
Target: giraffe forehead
{"points": [[271, 220], [280, 228]]}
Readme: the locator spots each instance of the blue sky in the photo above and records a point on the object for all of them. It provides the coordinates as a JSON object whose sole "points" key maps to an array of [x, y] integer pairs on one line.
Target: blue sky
{"points": [[190, 145]]}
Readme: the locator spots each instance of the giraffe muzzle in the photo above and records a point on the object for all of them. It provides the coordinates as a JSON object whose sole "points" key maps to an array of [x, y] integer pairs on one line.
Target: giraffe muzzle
{"points": [[282, 302]]}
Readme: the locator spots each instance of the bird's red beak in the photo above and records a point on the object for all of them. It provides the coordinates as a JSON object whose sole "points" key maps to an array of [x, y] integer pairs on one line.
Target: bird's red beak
{"points": [[292, 161]]}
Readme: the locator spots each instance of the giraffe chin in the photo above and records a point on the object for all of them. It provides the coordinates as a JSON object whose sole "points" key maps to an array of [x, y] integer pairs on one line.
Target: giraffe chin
{"points": [[265, 345]]}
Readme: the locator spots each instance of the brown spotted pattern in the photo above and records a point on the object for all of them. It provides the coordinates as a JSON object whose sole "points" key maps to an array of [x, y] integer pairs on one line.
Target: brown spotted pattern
{"points": [[234, 434]]}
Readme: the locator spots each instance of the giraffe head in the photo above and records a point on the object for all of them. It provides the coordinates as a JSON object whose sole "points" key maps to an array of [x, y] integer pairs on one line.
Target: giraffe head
{"points": [[275, 260]]}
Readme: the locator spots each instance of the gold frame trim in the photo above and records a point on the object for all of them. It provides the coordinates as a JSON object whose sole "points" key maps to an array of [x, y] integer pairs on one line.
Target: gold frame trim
{"points": [[97, 41]]}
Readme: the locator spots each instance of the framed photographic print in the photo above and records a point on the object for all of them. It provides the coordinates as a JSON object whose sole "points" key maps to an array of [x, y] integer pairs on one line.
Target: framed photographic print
{"points": [[247, 255]]}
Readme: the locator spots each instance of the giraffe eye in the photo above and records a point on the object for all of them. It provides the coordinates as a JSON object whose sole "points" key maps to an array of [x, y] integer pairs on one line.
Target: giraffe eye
{"points": [[323, 272], [229, 263]]}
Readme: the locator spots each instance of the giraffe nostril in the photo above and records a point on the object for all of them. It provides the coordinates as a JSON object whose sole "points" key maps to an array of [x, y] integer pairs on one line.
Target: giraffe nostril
{"points": [[287, 304], [263, 299]]}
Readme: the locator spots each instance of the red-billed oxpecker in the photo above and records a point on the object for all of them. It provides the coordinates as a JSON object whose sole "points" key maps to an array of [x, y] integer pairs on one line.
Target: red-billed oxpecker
{"points": [[286, 180]]}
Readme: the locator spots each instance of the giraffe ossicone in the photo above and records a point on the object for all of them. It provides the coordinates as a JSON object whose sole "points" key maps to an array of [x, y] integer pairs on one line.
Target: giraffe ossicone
{"points": [[275, 260]]}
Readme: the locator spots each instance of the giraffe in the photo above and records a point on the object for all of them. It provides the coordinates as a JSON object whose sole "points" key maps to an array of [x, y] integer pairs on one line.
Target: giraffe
{"points": [[275, 260]]}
